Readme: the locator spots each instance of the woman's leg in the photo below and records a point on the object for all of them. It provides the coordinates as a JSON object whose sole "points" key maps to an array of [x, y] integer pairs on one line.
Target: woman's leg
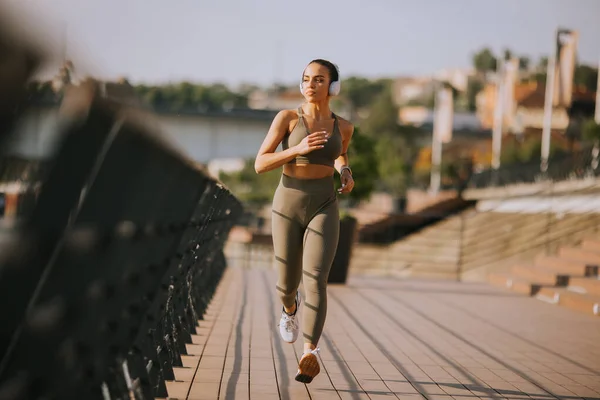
{"points": [[287, 233], [287, 246], [320, 245]]}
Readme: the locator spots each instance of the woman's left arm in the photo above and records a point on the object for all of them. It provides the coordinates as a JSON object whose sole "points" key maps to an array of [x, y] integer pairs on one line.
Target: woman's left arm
{"points": [[342, 163]]}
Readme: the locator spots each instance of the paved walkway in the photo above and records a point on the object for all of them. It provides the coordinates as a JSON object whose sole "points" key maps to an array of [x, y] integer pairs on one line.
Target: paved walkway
{"points": [[393, 339]]}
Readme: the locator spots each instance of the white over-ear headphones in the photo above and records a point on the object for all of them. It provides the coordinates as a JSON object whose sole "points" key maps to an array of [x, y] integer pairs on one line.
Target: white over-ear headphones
{"points": [[334, 87]]}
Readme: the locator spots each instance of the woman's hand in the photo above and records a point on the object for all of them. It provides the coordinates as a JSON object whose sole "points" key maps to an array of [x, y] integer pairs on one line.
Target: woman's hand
{"points": [[347, 182], [312, 142]]}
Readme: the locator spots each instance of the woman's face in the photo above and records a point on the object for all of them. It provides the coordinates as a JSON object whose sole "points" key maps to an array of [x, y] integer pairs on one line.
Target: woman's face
{"points": [[315, 83]]}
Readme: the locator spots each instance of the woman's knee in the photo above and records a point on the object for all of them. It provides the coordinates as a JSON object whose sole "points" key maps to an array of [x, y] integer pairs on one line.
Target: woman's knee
{"points": [[315, 287]]}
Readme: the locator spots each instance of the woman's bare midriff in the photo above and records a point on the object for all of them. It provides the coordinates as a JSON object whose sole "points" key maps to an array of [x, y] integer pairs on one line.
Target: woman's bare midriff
{"points": [[309, 171]]}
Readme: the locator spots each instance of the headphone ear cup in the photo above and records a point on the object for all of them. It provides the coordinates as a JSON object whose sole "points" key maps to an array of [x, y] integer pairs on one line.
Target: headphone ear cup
{"points": [[334, 88]]}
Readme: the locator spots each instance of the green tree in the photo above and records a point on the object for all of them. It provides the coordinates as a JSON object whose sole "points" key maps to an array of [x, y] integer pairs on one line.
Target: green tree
{"points": [[186, 95], [383, 115], [527, 151], [395, 168], [540, 78], [365, 165], [510, 153], [591, 131], [524, 61], [395, 144], [474, 86], [251, 188], [586, 76], [531, 150], [484, 61], [361, 92]]}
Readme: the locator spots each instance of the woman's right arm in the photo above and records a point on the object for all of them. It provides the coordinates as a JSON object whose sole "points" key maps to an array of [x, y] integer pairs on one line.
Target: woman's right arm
{"points": [[267, 159]]}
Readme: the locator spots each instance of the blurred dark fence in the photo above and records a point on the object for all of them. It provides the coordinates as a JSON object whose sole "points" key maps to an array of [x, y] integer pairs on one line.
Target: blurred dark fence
{"points": [[106, 277]]}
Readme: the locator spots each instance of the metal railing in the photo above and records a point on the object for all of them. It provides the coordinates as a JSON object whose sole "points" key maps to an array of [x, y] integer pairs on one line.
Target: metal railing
{"points": [[104, 280], [576, 165]]}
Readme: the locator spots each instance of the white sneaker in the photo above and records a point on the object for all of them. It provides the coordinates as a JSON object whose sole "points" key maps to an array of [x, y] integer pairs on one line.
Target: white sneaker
{"points": [[289, 325], [308, 367]]}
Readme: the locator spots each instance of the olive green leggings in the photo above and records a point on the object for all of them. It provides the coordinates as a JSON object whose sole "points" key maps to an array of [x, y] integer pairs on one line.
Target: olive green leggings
{"points": [[305, 224]]}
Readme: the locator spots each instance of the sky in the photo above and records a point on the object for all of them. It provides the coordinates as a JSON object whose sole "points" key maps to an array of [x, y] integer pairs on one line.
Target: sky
{"points": [[267, 41]]}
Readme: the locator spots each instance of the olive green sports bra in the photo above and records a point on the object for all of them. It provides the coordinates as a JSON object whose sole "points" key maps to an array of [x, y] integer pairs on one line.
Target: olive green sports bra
{"points": [[324, 156]]}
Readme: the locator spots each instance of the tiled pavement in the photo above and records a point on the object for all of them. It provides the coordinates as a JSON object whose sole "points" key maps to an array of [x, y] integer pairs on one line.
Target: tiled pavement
{"points": [[393, 339]]}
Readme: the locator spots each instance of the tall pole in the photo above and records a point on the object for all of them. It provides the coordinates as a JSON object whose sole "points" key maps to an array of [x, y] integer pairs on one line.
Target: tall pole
{"points": [[443, 117], [597, 114], [548, 104], [436, 161], [596, 148], [498, 114], [436, 149], [64, 42]]}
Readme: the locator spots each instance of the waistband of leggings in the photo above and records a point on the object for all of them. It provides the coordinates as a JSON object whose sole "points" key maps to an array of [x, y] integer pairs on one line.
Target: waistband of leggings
{"points": [[308, 185]]}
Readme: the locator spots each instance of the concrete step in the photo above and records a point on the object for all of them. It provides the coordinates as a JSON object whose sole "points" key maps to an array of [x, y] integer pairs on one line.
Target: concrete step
{"points": [[435, 274], [410, 250], [566, 266], [579, 254], [514, 283], [549, 294], [587, 285], [584, 303], [423, 240], [591, 245], [540, 275]]}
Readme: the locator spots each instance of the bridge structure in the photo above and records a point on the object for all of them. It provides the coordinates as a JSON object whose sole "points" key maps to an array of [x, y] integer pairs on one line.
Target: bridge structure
{"points": [[115, 285]]}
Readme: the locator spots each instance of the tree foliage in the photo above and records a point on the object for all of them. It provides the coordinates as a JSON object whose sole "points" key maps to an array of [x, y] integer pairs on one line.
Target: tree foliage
{"points": [[591, 131], [394, 147], [251, 188], [395, 168], [382, 116], [527, 151], [186, 95], [365, 165], [586, 76], [484, 61], [474, 86], [361, 92]]}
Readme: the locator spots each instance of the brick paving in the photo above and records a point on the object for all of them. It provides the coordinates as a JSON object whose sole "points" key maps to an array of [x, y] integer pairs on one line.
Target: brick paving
{"points": [[393, 339]]}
